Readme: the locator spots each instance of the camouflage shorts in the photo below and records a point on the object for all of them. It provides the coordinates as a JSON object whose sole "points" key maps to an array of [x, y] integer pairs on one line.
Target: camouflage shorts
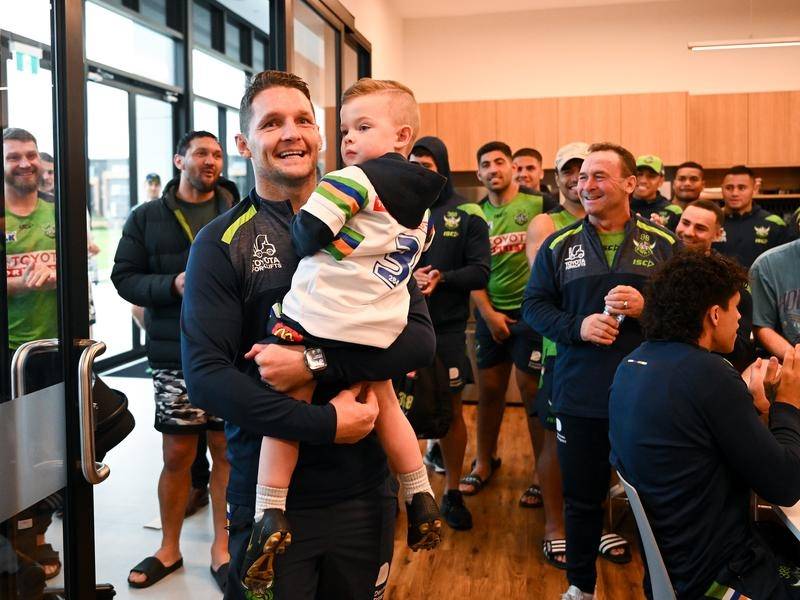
{"points": [[174, 412]]}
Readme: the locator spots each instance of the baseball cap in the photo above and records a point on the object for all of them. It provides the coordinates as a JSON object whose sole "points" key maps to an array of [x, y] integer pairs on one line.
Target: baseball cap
{"points": [[569, 152], [152, 178], [652, 162]]}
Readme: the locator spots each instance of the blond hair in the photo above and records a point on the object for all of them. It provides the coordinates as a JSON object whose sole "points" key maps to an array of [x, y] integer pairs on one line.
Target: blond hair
{"points": [[401, 101]]}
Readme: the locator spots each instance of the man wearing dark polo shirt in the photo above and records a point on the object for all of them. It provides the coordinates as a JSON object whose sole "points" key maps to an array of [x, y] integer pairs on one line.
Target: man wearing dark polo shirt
{"points": [[749, 229], [694, 446], [342, 501]]}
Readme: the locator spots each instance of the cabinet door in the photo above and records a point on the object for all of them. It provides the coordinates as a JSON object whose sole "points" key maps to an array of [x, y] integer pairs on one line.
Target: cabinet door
{"points": [[464, 127], [655, 124], [589, 119], [530, 124], [427, 119], [718, 130], [773, 129]]}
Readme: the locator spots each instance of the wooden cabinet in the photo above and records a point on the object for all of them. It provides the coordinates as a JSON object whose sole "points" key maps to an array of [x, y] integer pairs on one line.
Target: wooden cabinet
{"points": [[464, 127], [717, 134], [655, 124], [773, 129], [530, 124], [589, 119], [427, 119]]}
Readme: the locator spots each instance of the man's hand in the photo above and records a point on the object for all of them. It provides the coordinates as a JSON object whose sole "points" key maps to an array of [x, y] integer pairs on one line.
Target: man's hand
{"points": [[658, 219], [498, 325], [789, 386], [427, 279], [763, 376], [354, 418], [39, 276], [625, 300], [599, 329], [179, 283], [282, 367]]}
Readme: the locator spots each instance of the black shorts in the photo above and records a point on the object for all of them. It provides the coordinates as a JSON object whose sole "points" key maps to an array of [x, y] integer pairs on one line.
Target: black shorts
{"points": [[523, 347], [451, 348], [338, 551], [544, 395]]}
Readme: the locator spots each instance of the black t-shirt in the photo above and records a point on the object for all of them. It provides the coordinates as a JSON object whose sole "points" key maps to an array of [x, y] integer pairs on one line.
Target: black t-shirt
{"points": [[198, 214]]}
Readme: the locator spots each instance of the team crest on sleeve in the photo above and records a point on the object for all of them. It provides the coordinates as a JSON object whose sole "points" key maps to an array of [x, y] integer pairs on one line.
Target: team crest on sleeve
{"points": [[521, 218], [762, 234], [264, 255]]}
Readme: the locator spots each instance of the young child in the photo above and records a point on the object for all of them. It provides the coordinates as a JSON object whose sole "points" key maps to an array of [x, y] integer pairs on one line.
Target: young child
{"points": [[360, 235]]}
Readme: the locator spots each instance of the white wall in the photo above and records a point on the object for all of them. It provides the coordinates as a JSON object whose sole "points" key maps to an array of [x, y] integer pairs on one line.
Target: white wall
{"points": [[591, 51], [380, 23]]}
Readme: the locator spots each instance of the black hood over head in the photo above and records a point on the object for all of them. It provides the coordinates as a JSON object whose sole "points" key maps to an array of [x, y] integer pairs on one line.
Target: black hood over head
{"points": [[439, 151], [405, 189]]}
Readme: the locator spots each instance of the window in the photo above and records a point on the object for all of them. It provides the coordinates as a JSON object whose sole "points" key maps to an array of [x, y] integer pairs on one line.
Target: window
{"points": [[217, 80], [121, 43], [206, 117], [233, 41], [236, 164], [201, 25], [349, 66], [259, 54], [315, 61]]}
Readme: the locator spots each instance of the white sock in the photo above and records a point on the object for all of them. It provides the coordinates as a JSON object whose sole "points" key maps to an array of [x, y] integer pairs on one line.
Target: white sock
{"points": [[416, 481], [269, 497]]}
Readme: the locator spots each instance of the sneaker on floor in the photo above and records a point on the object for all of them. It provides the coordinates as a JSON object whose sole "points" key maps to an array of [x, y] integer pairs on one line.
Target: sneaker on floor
{"points": [[454, 511], [573, 593], [433, 458]]}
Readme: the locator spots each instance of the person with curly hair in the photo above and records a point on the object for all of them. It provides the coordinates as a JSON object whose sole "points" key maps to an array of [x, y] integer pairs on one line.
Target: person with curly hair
{"points": [[684, 433]]}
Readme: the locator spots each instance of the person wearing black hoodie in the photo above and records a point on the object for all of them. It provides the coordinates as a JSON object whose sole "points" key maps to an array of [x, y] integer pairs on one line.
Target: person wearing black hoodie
{"points": [[149, 271], [456, 263]]}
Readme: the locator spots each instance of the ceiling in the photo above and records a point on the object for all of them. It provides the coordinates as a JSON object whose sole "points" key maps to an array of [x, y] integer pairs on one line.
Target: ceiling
{"points": [[420, 9]]}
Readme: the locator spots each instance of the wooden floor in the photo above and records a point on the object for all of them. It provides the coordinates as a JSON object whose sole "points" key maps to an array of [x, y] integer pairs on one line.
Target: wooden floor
{"points": [[501, 556]]}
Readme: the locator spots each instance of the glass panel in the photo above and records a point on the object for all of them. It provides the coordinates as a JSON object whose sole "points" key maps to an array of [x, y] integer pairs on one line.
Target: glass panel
{"points": [[217, 80], [237, 165], [259, 54], [201, 23], [154, 9], [233, 41], [315, 61], [120, 42], [110, 201], [154, 149], [206, 117], [255, 12], [32, 430], [349, 66]]}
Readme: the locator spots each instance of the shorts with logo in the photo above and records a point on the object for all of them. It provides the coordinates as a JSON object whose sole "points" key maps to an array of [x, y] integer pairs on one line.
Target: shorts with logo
{"points": [[523, 347], [451, 348], [174, 412]]}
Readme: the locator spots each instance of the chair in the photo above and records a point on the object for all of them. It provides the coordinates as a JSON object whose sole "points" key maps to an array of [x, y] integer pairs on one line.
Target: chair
{"points": [[659, 578]]}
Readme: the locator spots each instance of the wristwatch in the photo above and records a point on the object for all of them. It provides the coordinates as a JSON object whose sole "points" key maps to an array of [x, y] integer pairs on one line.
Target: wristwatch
{"points": [[315, 360]]}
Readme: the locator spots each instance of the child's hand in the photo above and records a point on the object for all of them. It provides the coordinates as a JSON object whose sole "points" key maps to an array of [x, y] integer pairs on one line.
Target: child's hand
{"points": [[251, 354]]}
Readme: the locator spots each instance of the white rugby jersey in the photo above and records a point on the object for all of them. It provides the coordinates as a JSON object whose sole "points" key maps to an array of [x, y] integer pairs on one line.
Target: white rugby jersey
{"points": [[354, 290]]}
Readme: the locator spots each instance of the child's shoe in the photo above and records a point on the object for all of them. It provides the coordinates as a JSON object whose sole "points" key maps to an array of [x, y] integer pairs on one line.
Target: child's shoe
{"points": [[424, 522], [270, 536]]}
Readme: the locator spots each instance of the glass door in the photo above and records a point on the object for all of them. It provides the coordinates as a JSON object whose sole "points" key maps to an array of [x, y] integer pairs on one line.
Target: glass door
{"points": [[47, 453], [130, 160]]}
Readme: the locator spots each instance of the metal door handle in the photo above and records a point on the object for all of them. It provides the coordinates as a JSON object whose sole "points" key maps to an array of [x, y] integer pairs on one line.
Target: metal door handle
{"points": [[93, 471], [20, 359]]}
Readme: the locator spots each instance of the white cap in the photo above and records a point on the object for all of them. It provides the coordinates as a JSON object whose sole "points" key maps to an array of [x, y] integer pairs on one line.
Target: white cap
{"points": [[570, 152]]}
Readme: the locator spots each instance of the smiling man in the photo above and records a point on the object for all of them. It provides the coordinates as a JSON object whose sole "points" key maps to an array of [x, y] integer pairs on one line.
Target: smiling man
{"points": [[149, 271], [647, 199], [688, 183], [342, 499], [585, 294]]}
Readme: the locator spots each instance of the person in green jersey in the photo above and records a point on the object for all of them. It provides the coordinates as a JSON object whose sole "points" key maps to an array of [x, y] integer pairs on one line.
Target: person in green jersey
{"points": [[30, 243], [568, 166], [502, 338]]}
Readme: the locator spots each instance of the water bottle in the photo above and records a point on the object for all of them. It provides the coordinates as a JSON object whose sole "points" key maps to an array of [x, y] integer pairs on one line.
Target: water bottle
{"points": [[619, 318]]}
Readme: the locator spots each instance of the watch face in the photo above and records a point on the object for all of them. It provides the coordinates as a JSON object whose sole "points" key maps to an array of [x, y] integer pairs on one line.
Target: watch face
{"points": [[315, 359]]}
